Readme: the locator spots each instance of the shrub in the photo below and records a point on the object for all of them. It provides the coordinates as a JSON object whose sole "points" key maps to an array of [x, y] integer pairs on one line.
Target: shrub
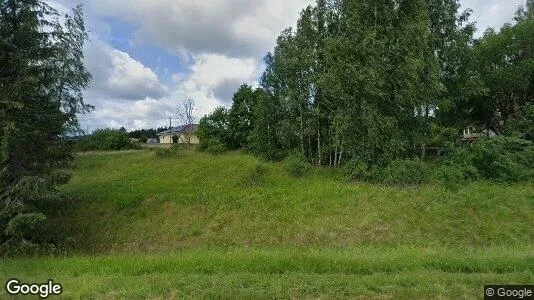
{"points": [[501, 159], [522, 123], [358, 170], [105, 140], [25, 225], [504, 158], [461, 160], [173, 151], [407, 172], [212, 146], [296, 164], [450, 177], [255, 176]]}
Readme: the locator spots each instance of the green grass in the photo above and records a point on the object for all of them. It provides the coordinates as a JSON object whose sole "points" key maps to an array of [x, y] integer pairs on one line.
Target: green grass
{"points": [[404, 272], [213, 226], [204, 201]]}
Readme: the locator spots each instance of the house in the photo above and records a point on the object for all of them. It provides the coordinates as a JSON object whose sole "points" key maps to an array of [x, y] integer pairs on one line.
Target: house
{"points": [[471, 134], [183, 134]]}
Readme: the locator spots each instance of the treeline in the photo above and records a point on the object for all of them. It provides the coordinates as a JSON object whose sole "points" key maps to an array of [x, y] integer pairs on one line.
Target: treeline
{"points": [[144, 134], [109, 139], [105, 140], [377, 81]]}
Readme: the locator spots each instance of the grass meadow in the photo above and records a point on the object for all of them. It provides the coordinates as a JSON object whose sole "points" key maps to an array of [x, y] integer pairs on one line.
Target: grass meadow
{"points": [[206, 226]]}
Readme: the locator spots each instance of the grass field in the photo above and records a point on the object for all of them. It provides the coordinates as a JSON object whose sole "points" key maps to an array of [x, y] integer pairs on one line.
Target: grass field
{"points": [[210, 226]]}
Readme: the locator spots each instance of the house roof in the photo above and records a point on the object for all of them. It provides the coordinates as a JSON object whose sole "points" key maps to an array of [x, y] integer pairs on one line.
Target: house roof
{"points": [[180, 129]]}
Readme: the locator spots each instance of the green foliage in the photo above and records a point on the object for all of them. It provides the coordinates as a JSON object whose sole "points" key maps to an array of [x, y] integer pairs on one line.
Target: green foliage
{"points": [[281, 273], [398, 172], [25, 225], [359, 170], [240, 117], [296, 164], [407, 172], [144, 134], [173, 151], [505, 63], [522, 123], [255, 176], [213, 127], [201, 203], [441, 136], [212, 146], [500, 159], [42, 80], [460, 159], [105, 140], [451, 177]]}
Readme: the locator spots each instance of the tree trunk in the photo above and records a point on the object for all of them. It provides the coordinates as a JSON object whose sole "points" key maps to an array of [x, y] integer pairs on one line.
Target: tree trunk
{"points": [[335, 157], [340, 157], [319, 147], [302, 132]]}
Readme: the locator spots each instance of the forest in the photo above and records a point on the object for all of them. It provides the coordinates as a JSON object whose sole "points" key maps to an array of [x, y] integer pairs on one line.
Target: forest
{"points": [[369, 83]]}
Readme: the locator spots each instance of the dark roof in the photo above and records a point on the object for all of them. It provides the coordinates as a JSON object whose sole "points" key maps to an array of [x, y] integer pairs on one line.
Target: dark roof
{"points": [[181, 129]]}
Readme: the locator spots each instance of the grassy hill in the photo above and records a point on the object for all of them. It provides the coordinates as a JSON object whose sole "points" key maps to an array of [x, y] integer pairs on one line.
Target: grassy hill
{"points": [[230, 225]]}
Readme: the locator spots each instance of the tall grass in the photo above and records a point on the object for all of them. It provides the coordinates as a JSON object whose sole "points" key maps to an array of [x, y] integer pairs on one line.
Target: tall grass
{"points": [[202, 201], [231, 226]]}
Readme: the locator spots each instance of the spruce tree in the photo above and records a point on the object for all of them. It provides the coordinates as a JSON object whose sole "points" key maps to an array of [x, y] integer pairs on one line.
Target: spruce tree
{"points": [[42, 77]]}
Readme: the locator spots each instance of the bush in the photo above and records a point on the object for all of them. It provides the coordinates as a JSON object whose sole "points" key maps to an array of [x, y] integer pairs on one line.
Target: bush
{"points": [[256, 176], [25, 225], [407, 172], [212, 146], [460, 159], [358, 170], [450, 177], [173, 151], [296, 164], [105, 140], [522, 123], [504, 159]]}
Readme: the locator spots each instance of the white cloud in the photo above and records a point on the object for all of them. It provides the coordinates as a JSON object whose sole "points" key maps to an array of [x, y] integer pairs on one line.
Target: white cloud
{"points": [[241, 28], [117, 75], [146, 113], [491, 13], [213, 79], [210, 82]]}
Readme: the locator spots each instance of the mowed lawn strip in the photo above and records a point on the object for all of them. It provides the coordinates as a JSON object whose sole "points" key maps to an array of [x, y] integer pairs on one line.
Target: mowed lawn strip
{"points": [[395, 272]]}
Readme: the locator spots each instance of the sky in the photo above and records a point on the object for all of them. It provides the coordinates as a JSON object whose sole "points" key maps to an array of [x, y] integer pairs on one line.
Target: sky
{"points": [[147, 56]]}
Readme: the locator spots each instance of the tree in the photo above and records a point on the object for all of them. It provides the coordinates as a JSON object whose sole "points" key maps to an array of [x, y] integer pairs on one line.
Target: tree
{"points": [[240, 117], [42, 77], [263, 139], [505, 63], [213, 127], [186, 113]]}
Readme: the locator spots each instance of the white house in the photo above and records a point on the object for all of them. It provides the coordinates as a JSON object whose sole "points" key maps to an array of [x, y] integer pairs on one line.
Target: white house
{"points": [[183, 134]]}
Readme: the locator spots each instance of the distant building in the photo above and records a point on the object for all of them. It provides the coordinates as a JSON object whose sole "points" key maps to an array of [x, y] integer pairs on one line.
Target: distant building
{"points": [[472, 134], [152, 141], [183, 134]]}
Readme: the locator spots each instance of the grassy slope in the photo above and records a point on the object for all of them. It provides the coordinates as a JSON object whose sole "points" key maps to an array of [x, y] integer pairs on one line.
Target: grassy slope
{"points": [[193, 226]]}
